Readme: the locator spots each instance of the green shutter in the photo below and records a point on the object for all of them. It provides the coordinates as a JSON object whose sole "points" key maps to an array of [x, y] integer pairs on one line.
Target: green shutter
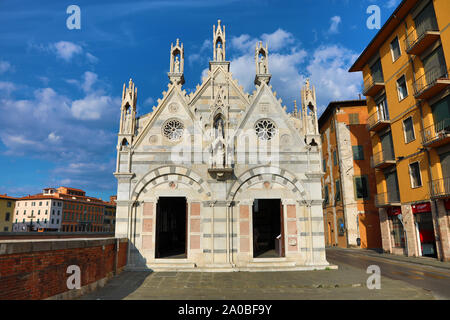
{"points": [[338, 191], [358, 152]]}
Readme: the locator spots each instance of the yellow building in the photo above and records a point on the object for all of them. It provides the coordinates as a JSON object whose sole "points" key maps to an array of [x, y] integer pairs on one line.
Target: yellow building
{"points": [[7, 205], [406, 82]]}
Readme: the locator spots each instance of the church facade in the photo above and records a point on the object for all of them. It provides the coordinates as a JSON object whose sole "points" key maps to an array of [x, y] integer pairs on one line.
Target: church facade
{"points": [[219, 179]]}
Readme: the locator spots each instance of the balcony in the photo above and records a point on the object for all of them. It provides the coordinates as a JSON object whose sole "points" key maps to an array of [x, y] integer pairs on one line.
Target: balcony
{"points": [[372, 86], [440, 188], [431, 83], [387, 199], [437, 134], [417, 41], [377, 122], [382, 160]]}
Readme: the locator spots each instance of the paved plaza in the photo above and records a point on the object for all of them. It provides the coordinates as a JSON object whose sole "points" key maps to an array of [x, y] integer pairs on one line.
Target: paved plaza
{"points": [[345, 283]]}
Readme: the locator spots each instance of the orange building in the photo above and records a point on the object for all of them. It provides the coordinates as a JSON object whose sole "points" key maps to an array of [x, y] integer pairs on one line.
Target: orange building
{"points": [[65, 210], [405, 70], [348, 186]]}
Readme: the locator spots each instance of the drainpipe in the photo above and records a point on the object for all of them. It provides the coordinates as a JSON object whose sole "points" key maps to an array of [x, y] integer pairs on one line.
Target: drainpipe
{"points": [[340, 182]]}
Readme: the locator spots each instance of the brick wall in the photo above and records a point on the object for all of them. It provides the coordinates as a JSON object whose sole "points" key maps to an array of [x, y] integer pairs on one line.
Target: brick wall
{"points": [[37, 269]]}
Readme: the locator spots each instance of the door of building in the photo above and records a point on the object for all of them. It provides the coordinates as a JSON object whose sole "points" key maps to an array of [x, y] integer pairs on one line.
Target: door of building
{"points": [[387, 146], [393, 194]]}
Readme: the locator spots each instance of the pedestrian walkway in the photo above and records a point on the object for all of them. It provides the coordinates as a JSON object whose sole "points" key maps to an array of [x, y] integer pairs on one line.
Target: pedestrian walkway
{"points": [[343, 284], [417, 260]]}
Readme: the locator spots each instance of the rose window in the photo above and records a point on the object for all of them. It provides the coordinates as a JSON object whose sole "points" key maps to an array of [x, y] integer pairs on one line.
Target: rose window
{"points": [[173, 129], [265, 129]]}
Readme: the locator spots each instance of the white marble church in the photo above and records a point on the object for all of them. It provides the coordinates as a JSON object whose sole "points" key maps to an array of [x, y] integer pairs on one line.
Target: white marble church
{"points": [[219, 179]]}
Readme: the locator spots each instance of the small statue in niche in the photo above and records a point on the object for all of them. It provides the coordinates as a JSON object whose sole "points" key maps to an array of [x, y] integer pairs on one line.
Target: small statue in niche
{"points": [[219, 52], [128, 121], [176, 68], [219, 128], [219, 159], [262, 65]]}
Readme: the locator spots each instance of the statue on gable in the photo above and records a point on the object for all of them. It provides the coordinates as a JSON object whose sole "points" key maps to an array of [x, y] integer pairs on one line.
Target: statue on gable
{"points": [[219, 52], [262, 65], [176, 68]]}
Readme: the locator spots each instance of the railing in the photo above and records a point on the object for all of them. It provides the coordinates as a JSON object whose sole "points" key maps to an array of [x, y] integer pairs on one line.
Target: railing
{"points": [[436, 131], [416, 35], [429, 78], [382, 157], [440, 187], [375, 119], [370, 82], [386, 199]]}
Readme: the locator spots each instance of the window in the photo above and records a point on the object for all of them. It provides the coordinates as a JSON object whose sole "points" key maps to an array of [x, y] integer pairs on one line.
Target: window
{"points": [[40, 203], [395, 49], [8, 204], [414, 171], [353, 118], [337, 196], [397, 232], [401, 88], [325, 165], [358, 152], [326, 195], [5, 229], [24, 211], [7, 216], [39, 212], [361, 187], [265, 129], [408, 129], [53, 221], [334, 158], [46, 211]]}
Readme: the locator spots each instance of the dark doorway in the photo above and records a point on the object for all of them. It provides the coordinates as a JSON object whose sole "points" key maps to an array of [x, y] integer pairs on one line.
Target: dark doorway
{"points": [[171, 228], [268, 238], [426, 234]]}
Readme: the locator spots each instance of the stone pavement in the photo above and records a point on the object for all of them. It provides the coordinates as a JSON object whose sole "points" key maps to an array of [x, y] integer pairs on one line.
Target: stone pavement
{"points": [[345, 283], [417, 260]]}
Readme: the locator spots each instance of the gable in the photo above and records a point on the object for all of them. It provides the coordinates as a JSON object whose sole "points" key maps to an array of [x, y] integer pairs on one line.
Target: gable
{"points": [[266, 106], [172, 107]]}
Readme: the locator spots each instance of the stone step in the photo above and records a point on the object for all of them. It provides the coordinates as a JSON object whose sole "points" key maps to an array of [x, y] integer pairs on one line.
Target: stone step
{"points": [[271, 263]]}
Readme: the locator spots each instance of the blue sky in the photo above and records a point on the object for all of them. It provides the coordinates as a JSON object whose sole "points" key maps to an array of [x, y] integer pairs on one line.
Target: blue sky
{"points": [[60, 89]]}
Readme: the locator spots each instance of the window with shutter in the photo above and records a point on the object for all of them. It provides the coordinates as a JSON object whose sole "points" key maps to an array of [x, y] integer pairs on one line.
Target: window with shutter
{"points": [[395, 49], [361, 187], [358, 152], [408, 128], [353, 118], [414, 171], [337, 196]]}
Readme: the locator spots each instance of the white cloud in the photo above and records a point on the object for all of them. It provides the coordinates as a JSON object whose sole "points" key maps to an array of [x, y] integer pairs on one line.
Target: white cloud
{"points": [[149, 101], [328, 71], [89, 79], [391, 4], [66, 50], [52, 137], [7, 86], [334, 24], [278, 39], [91, 58], [91, 107], [284, 62], [201, 56], [5, 66]]}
